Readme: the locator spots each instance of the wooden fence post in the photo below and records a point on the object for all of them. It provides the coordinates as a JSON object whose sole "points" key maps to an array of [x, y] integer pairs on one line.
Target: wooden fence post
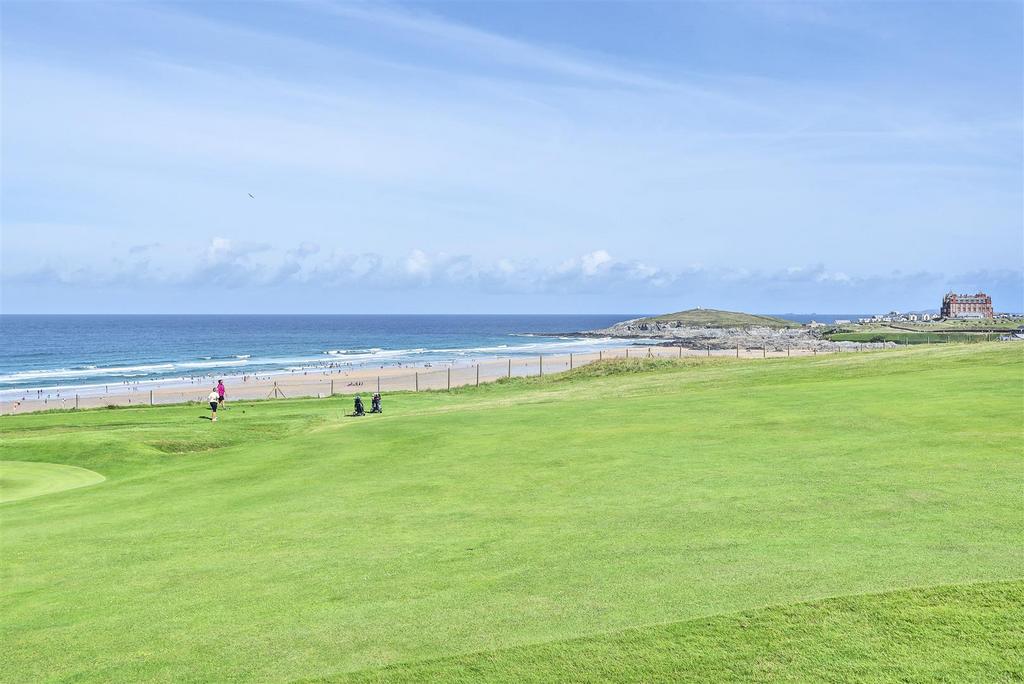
{"points": [[737, 351], [542, 365], [76, 401], [627, 352], [275, 393], [709, 350], [449, 378], [600, 355], [478, 375], [150, 397], [332, 386], [510, 368], [764, 351], [570, 360], [416, 387]]}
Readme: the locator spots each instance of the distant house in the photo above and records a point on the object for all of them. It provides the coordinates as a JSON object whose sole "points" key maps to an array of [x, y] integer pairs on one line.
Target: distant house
{"points": [[978, 305]]}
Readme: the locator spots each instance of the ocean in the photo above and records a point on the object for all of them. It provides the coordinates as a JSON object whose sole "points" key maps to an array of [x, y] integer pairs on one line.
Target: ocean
{"points": [[91, 353]]}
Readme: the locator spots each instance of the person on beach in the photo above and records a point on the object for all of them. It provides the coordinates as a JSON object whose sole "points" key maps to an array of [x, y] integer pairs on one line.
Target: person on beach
{"points": [[214, 399], [220, 392]]}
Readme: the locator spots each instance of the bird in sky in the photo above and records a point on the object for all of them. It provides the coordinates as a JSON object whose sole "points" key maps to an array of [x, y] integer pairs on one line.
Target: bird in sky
{"points": [[252, 196]]}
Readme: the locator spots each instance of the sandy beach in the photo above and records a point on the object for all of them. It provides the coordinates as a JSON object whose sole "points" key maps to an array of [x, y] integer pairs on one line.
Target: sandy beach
{"points": [[365, 381]]}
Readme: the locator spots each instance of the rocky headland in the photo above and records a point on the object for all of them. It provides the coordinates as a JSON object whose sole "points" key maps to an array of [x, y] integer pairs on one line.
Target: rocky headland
{"points": [[711, 328]]}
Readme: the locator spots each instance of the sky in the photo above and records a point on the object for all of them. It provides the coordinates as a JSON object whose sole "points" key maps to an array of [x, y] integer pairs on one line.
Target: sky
{"points": [[510, 157]]}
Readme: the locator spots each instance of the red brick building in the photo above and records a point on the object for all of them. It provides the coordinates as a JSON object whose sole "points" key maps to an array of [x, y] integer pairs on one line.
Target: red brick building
{"points": [[966, 306]]}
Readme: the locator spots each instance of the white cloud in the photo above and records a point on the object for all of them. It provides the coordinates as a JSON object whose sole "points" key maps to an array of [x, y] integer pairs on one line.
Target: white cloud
{"points": [[833, 276], [594, 261], [233, 265], [419, 275], [219, 248], [417, 264]]}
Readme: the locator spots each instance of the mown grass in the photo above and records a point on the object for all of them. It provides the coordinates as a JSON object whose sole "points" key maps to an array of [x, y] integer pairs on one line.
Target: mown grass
{"points": [[635, 521], [913, 337], [25, 479], [947, 325], [961, 633]]}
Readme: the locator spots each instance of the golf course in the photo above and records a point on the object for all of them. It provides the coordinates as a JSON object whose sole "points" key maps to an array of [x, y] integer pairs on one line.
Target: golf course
{"points": [[843, 517]]}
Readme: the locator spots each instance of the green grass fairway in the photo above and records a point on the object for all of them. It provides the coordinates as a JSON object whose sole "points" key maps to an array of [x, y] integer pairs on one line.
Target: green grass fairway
{"points": [[855, 517], [21, 479], [912, 337]]}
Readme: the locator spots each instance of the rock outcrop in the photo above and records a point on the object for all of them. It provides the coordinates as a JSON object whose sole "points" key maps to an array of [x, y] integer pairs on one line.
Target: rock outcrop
{"points": [[680, 333]]}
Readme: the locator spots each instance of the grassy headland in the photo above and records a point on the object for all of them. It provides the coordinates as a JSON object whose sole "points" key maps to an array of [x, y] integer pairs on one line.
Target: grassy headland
{"points": [[839, 517], [714, 318]]}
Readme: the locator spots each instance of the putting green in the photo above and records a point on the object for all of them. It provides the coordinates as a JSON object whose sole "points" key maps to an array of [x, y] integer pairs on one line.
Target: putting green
{"points": [[25, 479]]}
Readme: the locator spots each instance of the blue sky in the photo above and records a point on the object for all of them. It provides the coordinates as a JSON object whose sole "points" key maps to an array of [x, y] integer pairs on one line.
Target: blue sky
{"points": [[510, 157]]}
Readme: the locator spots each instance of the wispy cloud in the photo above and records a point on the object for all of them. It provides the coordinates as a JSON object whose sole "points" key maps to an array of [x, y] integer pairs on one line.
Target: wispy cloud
{"points": [[454, 37]]}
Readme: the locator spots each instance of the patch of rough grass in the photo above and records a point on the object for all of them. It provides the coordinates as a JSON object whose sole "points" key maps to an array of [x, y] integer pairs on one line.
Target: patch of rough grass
{"points": [[964, 633], [609, 367], [596, 369], [184, 446]]}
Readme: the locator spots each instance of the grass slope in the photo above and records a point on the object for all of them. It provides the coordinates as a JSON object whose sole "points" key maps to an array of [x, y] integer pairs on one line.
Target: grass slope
{"points": [[287, 542], [972, 633], [713, 318]]}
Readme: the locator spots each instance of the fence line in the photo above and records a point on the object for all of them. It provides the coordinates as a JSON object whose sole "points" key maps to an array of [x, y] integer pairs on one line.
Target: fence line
{"points": [[328, 382]]}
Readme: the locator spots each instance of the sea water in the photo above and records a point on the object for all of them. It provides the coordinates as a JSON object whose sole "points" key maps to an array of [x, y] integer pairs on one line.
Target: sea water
{"points": [[96, 352]]}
